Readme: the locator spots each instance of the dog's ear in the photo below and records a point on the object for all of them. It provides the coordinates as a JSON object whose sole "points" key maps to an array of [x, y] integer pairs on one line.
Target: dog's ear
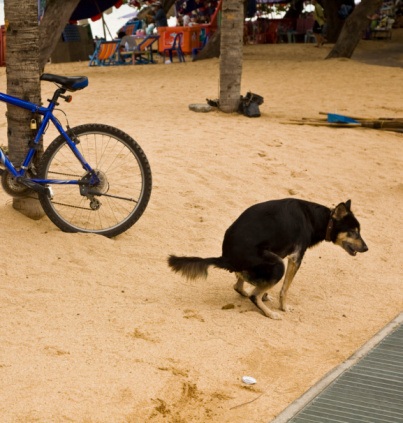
{"points": [[348, 205], [341, 210]]}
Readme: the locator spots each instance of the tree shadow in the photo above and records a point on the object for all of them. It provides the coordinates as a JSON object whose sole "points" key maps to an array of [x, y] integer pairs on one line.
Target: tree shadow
{"points": [[382, 52]]}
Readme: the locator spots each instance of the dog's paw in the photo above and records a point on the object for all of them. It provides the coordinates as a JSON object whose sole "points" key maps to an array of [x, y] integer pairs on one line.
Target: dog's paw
{"points": [[275, 316], [270, 314], [267, 297], [286, 308]]}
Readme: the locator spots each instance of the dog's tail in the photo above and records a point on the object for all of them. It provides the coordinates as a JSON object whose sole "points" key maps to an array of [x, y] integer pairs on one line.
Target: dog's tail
{"points": [[195, 267]]}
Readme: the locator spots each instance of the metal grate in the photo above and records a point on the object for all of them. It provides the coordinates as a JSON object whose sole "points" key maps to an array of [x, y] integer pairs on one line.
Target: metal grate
{"points": [[369, 391]]}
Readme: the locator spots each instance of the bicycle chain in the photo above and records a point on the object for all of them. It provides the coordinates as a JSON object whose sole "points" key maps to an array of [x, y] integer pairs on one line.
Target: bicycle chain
{"points": [[74, 207]]}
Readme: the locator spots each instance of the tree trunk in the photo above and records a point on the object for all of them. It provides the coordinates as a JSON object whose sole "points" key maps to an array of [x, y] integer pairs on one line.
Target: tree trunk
{"points": [[353, 28], [231, 55], [23, 82], [57, 15], [212, 48], [28, 48], [333, 22]]}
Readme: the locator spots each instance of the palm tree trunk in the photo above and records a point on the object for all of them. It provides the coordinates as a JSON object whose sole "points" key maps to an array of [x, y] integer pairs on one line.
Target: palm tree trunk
{"points": [[23, 73], [231, 55], [29, 45]]}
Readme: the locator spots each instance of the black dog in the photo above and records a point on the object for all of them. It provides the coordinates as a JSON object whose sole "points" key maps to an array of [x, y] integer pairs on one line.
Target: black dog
{"points": [[264, 234]]}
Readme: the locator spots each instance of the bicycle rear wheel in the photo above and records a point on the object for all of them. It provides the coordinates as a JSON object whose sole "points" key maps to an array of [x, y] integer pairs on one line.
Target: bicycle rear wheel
{"points": [[114, 204]]}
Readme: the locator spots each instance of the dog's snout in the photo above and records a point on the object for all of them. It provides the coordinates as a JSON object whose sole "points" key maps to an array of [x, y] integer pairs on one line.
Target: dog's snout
{"points": [[364, 247]]}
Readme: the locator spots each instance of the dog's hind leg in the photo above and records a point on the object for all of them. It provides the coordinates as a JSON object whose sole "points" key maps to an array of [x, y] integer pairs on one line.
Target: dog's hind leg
{"points": [[294, 262], [264, 276], [239, 286]]}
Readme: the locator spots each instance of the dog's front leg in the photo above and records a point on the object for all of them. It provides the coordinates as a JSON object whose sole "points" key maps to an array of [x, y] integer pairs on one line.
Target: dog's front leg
{"points": [[257, 298], [294, 262]]}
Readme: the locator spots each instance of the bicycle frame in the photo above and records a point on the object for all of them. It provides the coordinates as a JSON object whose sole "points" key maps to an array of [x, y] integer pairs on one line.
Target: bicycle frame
{"points": [[47, 113]]}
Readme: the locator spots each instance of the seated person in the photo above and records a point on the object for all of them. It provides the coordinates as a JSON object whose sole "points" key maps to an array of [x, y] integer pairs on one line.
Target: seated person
{"points": [[210, 8], [383, 23], [127, 43], [186, 20], [200, 9], [150, 25], [160, 18], [193, 19], [374, 18]]}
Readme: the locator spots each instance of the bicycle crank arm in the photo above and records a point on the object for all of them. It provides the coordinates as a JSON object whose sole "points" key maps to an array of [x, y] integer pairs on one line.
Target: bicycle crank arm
{"points": [[35, 186]]}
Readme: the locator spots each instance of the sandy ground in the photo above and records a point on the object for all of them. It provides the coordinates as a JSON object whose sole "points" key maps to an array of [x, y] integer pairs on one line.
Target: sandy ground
{"points": [[100, 330]]}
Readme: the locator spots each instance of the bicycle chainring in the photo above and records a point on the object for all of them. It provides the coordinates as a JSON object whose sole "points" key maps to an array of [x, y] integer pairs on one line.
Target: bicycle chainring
{"points": [[12, 187]]}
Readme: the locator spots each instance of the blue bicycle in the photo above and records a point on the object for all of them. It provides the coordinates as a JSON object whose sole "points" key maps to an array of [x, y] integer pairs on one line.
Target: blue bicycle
{"points": [[91, 178]]}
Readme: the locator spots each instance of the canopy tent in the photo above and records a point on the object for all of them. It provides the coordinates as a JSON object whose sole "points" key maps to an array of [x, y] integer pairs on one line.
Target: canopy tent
{"points": [[93, 9]]}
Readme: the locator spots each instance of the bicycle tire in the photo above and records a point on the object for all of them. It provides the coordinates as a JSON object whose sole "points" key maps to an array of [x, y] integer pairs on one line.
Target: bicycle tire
{"points": [[123, 195]]}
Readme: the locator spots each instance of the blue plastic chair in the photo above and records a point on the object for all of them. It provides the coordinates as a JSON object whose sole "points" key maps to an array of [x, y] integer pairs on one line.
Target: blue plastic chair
{"points": [[176, 47]]}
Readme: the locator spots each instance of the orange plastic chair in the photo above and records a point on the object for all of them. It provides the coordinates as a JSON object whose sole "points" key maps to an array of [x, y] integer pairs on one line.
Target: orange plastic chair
{"points": [[145, 50]]}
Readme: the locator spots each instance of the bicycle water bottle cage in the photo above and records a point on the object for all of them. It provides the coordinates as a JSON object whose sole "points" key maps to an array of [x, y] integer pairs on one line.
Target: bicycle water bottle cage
{"points": [[69, 83]]}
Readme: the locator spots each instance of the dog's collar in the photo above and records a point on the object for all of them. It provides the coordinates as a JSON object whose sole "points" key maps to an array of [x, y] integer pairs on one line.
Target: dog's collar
{"points": [[329, 230]]}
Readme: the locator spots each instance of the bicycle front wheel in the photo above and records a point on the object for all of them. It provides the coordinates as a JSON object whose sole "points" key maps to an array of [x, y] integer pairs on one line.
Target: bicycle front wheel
{"points": [[121, 195]]}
